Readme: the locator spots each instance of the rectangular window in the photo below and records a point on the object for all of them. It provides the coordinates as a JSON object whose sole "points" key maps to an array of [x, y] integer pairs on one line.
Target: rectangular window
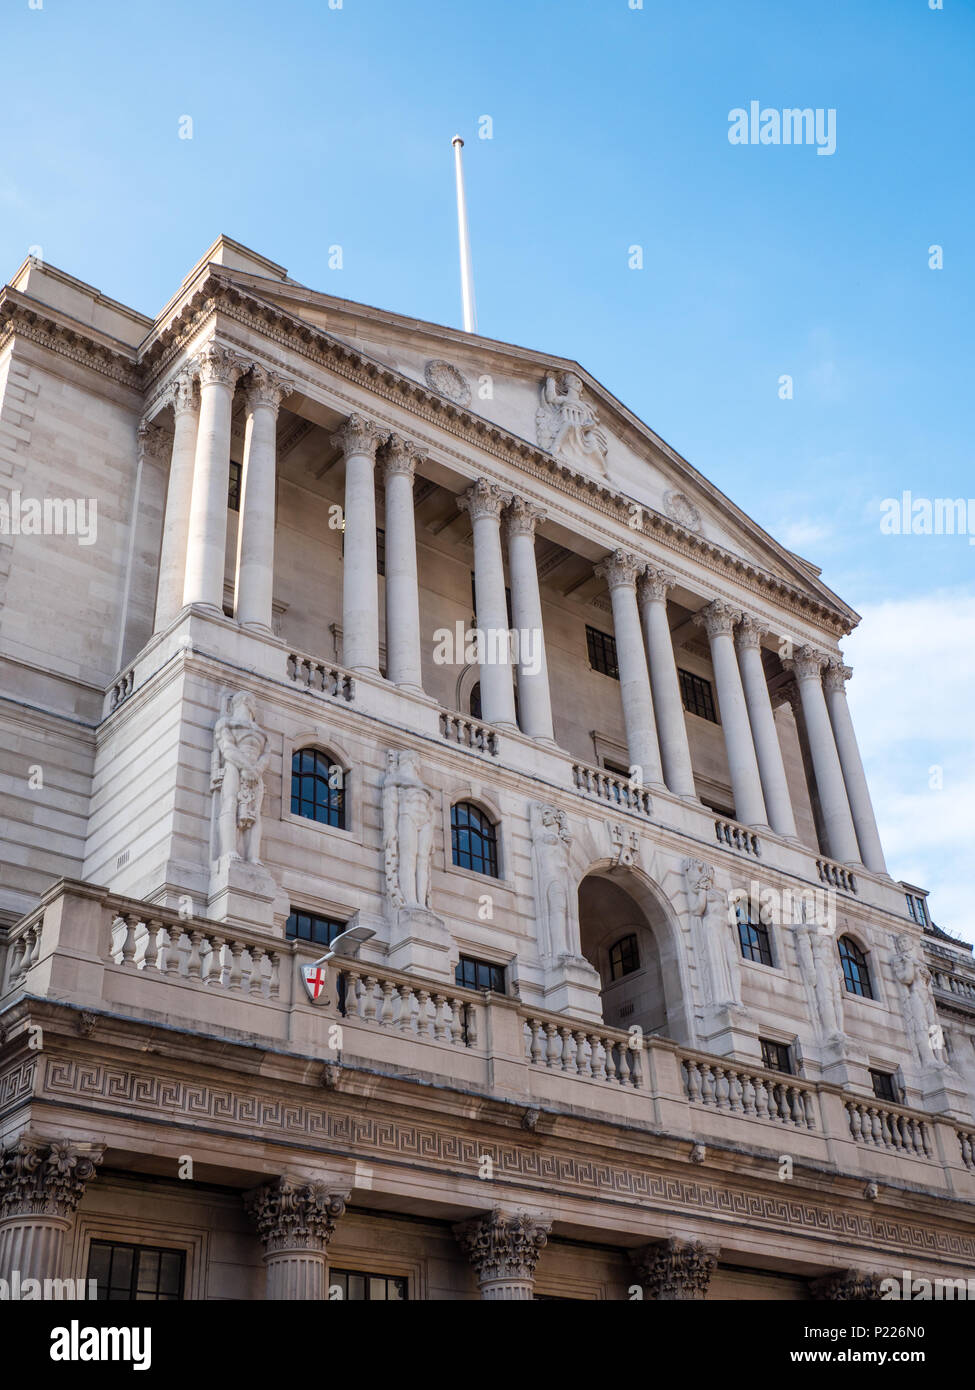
{"points": [[755, 942], [136, 1273], [602, 652], [233, 489], [884, 1085], [697, 695], [358, 1287], [776, 1056], [479, 974], [624, 957], [380, 550], [917, 907], [308, 926]]}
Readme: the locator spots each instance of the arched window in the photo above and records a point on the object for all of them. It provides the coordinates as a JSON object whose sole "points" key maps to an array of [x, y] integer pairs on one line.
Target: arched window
{"points": [[476, 701], [856, 972], [624, 957], [317, 787], [473, 839]]}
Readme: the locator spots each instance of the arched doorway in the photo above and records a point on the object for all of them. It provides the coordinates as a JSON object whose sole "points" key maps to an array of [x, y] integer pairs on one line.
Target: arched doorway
{"points": [[625, 933]]}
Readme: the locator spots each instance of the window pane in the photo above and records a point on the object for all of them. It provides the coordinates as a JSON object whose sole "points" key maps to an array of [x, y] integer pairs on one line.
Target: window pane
{"points": [[377, 1289], [148, 1275]]}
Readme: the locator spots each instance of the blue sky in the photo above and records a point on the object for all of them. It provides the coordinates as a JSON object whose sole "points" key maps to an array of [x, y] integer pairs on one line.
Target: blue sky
{"points": [[314, 126]]}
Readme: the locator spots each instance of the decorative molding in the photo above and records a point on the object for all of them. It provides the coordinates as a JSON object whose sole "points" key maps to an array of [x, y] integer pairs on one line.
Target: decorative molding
{"points": [[681, 509], [675, 1269], [45, 1177], [484, 498], [359, 435], [503, 1247], [292, 1215], [619, 569], [447, 380]]}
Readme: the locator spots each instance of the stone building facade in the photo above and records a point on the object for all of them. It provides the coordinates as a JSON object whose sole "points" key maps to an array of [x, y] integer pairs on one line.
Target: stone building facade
{"points": [[435, 858]]}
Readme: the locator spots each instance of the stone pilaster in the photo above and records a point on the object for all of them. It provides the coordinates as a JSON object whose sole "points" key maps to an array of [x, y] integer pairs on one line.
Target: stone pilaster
{"points": [[768, 750], [534, 697], [403, 664], [675, 753], [295, 1221], [206, 541], [41, 1183], [620, 571], [172, 557], [844, 1285], [504, 1251], [255, 538], [718, 619], [484, 502], [360, 438], [675, 1270], [807, 666], [861, 807]]}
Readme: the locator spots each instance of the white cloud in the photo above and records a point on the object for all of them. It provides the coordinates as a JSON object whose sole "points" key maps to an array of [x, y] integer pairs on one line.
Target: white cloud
{"points": [[911, 696]]}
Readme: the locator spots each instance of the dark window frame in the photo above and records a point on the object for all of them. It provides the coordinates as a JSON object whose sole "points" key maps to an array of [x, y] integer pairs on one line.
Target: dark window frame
{"points": [[856, 968], [105, 1293], [471, 972], [602, 653], [918, 909], [335, 802], [473, 839], [754, 939], [313, 927], [777, 1056], [368, 1277], [884, 1084], [624, 957], [697, 695], [235, 482]]}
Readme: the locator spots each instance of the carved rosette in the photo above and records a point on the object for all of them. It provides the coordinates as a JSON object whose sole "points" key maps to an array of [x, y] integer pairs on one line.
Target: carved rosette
{"points": [[400, 457], [682, 510], [503, 1248], [655, 585], [218, 364], [266, 387], [522, 517], [620, 569], [749, 633], [846, 1285], [359, 436], [292, 1215], [40, 1177], [484, 499], [836, 675], [718, 618], [806, 664], [446, 380], [674, 1270]]}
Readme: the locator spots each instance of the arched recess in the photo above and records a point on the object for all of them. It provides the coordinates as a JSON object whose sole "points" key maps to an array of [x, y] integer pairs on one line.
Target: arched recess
{"points": [[615, 903]]}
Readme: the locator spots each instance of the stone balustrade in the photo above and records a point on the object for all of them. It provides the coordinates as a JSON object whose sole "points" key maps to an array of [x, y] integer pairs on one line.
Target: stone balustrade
{"points": [[889, 1127], [836, 876], [760, 1094], [468, 733], [122, 689], [418, 1009], [948, 982], [320, 676], [735, 836], [609, 786], [966, 1139], [222, 958], [593, 1053]]}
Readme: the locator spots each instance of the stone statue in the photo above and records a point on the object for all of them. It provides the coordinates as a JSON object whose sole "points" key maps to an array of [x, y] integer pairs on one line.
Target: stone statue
{"points": [[551, 839], [710, 906], [407, 831], [567, 426], [237, 768], [920, 1013], [820, 970]]}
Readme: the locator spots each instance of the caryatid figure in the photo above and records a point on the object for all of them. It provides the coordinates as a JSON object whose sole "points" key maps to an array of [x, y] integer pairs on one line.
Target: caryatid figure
{"points": [[240, 758], [407, 831], [922, 1015], [551, 840], [711, 907]]}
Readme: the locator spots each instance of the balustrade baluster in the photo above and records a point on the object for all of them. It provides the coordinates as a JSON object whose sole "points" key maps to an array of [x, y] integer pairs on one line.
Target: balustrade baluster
{"points": [[386, 1007], [151, 956], [404, 1016], [598, 1054], [583, 1060], [569, 1063], [131, 920], [255, 984], [235, 978], [194, 964]]}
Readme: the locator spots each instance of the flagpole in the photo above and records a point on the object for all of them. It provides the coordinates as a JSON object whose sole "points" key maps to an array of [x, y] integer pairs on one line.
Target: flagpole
{"points": [[466, 270]]}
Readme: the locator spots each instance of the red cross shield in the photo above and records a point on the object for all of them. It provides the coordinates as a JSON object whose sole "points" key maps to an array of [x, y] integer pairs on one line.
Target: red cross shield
{"points": [[315, 978]]}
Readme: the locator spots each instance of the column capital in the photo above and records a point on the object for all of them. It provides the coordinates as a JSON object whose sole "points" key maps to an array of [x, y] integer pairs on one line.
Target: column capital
{"points": [[749, 633], [360, 435], [217, 363], [182, 392], [619, 569], [484, 498], [45, 1177], [806, 664], [522, 517], [266, 387], [847, 1284], [655, 584], [675, 1269], [400, 456], [835, 676], [294, 1215], [718, 618], [502, 1246], [154, 439]]}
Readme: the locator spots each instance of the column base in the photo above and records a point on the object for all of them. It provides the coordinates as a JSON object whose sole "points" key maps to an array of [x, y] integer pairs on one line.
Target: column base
{"points": [[408, 688], [503, 726], [372, 671], [262, 629]]}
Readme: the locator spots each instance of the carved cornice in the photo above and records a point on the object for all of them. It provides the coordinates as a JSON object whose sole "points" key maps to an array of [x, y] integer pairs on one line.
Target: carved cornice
{"points": [[45, 1177], [675, 1269], [619, 569], [360, 435], [522, 517], [502, 1246], [846, 1284], [655, 584], [484, 499], [718, 618], [292, 1215], [74, 343]]}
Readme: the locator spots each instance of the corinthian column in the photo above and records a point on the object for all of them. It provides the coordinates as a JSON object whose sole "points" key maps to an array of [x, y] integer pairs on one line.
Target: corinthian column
{"points": [[255, 539], [172, 557], [534, 699], [807, 665], [403, 665], [41, 1184], [861, 807], [673, 1270], [620, 571], [675, 753], [360, 439], [295, 1222], [768, 750], [504, 1251], [718, 619], [206, 541], [484, 502]]}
